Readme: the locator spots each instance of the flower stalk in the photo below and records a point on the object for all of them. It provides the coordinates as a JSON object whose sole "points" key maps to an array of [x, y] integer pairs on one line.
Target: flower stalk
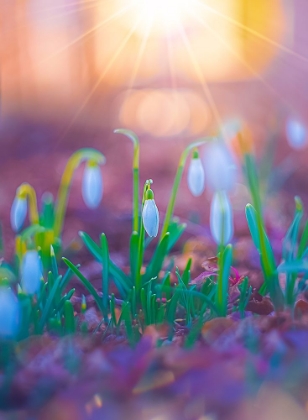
{"points": [[132, 136], [73, 163], [27, 192], [176, 183]]}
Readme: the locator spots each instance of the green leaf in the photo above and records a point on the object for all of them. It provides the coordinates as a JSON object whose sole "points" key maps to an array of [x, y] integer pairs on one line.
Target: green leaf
{"points": [[222, 291], [121, 279], [91, 245], [48, 306], [251, 216], [69, 319], [126, 317], [134, 248], [66, 279], [252, 224], [157, 261], [294, 266], [47, 215], [175, 231], [105, 275], [303, 242], [86, 283], [186, 272], [290, 239], [66, 297]]}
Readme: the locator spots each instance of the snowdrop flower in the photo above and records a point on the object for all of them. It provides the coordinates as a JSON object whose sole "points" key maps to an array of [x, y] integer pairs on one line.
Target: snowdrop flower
{"points": [[195, 176], [221, 218], [31, 272], [92, 185], [9, 313], [150, 215], [296, 134], [18, 213], [220, 168]]}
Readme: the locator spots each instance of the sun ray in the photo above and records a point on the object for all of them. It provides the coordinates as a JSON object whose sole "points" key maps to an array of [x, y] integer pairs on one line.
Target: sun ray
{"points": [[139, 57], [170, 64], [252, 31], [239, 58], [98, 82], [200, 76], [64, 14], [87, 33], [67, 5]]}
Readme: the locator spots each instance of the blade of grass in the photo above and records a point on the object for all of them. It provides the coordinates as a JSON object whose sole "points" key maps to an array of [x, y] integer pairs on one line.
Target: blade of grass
{"points": [[123, 281], [105, 275], [86, 283], [157, 261], [69, 319], [48, 306]]}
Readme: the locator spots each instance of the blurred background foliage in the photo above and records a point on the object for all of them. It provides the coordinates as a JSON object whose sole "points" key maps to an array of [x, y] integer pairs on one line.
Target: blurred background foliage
{"points": [[156, 67]]}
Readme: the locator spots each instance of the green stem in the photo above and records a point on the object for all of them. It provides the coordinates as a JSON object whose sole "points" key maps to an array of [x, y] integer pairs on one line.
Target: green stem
{"points": [[132, 136], [176, 184], [253, 183], [75, 160]]}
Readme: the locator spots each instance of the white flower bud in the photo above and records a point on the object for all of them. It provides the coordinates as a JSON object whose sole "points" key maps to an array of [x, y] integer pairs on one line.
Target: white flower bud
{"points": [[221, 218], [92, 185], [296, 134], [9, 313], [195, 177], [150, 215], [18, 213], [220, 168], [31, 272]]}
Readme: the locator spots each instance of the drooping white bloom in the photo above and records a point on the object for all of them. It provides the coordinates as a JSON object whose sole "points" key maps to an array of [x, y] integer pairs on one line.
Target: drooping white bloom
{"points": [[220, 167], [92, 185], [150, 215], [31, 272], [195, 177], [9, 313], [221, 218], [18, 213], [296, 134]]}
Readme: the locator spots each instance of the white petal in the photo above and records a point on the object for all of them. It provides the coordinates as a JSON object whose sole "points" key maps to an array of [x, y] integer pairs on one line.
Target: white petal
{"points": [[296, 134], [9, 313], [220, 168], [150, 217], [18, 213], [31, 272], [195, 177], [221, 218], [92, 186]]}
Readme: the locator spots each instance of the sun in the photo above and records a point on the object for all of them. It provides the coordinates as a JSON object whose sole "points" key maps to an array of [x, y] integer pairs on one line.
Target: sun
{"points": [[166, 13], [160, 17]]}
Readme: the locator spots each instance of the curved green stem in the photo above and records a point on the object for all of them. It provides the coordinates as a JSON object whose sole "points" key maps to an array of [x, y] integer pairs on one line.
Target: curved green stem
{"points": [[26, 191], [132, 136], [176, 183], [75, 160]]}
